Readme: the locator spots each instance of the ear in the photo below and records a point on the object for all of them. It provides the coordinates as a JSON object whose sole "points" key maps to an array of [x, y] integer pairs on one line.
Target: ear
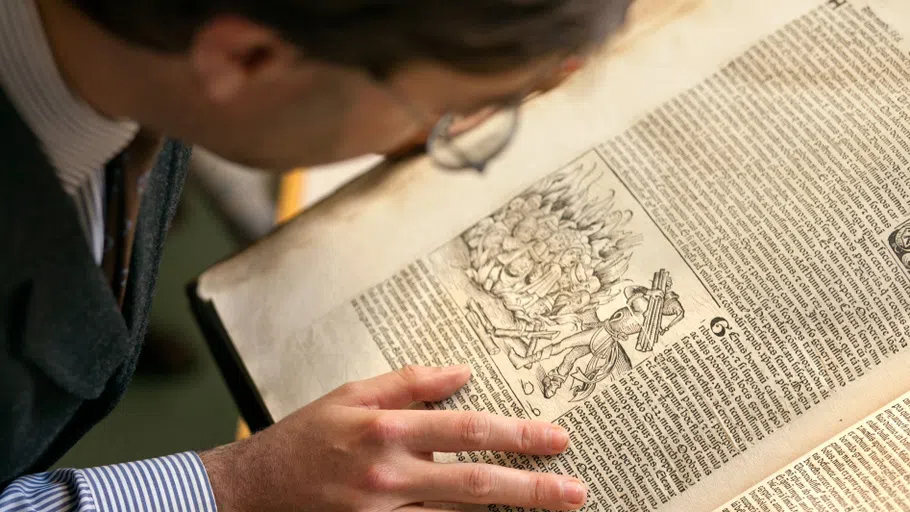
{"points": [[230, 52]]}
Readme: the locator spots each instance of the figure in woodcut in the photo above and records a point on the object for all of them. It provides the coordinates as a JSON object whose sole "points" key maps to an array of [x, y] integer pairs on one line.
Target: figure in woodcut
{"points": [[642, 315], [555, 253]]}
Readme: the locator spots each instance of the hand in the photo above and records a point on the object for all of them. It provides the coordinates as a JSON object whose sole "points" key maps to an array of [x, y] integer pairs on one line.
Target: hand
{"points": [[654, 293], [357, 450]]}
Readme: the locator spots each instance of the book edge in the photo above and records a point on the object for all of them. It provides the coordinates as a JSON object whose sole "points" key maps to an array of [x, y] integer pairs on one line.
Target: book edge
{"points": [[241, 386]]}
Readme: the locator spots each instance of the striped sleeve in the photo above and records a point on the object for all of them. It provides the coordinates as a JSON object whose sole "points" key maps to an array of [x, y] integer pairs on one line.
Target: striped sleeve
{"points": [[173, 483]]}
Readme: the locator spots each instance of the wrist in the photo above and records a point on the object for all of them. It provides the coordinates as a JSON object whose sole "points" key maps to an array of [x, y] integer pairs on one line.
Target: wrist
{"points": [[221, 467]]}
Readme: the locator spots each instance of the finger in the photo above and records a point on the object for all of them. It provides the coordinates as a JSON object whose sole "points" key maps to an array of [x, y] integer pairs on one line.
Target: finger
{"points": [[402, 387], [457, 431], [420, 508], [487, 484]]}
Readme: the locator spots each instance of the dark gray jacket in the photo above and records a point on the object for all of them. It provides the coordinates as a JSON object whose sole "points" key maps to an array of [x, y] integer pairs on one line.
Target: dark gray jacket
{"points": [[67, 352]]}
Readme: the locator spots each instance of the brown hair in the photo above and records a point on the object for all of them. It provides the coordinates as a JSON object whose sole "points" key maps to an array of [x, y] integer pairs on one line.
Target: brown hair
{"points": [[381, 35]]}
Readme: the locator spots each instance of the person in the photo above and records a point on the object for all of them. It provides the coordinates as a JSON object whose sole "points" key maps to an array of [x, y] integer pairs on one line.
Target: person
{"points": [[99, 102]]}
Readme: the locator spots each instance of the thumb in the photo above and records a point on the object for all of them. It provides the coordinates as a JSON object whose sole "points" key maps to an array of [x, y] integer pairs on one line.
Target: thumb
{"points": [[398, 389]]}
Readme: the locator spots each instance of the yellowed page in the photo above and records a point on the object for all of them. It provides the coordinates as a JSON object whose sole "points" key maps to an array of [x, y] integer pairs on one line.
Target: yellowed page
{"points": [[733, 183], [864, 468]]}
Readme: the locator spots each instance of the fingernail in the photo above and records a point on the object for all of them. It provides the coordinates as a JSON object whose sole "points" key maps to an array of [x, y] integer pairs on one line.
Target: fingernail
{"points": [[574, 492], [557, 439]]}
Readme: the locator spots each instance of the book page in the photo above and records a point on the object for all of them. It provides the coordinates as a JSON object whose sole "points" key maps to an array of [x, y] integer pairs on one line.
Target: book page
{"points": [[701, 281], [863, 469]]}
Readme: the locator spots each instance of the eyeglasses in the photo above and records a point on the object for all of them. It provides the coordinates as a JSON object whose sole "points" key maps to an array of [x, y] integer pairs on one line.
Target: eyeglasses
{"points": [[459, 142]]}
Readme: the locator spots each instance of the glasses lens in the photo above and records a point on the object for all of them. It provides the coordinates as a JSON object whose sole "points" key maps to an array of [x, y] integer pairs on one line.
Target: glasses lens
{"points": [[459, 141]]}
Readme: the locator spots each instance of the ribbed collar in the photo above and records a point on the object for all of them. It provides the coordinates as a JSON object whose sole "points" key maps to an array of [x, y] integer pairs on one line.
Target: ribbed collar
{"points": [[77, 140]]}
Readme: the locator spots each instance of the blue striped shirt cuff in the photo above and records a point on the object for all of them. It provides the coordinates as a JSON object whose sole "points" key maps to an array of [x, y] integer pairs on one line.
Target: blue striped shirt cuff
{"points": [[177, 482], [174, 483]]}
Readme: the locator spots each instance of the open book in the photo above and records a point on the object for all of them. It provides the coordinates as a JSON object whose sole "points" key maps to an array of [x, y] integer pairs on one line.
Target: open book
{"points": [[695, 257]]}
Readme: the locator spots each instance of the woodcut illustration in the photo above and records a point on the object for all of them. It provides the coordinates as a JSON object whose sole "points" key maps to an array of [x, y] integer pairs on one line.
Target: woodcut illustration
{"points": [[569, 285], [554, 253]]}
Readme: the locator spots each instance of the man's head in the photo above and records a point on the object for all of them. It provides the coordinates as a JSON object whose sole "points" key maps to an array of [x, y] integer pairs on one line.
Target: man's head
{"points": [[282, 83]]}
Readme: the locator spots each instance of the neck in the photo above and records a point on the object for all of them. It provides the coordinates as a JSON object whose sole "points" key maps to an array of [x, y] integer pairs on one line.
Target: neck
{"points": [[101, 70]]}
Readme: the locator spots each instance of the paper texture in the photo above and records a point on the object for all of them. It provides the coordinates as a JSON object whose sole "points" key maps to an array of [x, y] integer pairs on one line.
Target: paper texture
{"points": [[863, 469], [695, 259]]}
